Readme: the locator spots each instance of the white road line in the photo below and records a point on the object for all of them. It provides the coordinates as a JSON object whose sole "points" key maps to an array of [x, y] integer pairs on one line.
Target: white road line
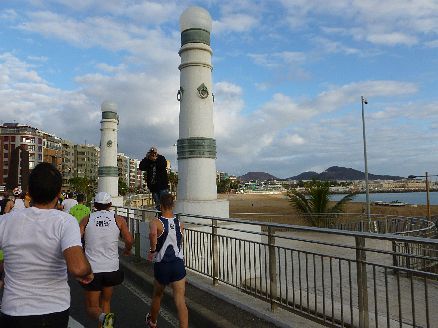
{"points": [[72, 323], [168, 316]]}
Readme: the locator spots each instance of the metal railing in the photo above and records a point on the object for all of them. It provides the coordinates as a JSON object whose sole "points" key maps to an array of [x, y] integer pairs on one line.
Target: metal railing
{"points": [[335, 277]]}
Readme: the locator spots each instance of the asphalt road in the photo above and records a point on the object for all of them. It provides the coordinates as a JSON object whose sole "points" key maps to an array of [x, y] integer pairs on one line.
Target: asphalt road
{"points": [[129, 303]]}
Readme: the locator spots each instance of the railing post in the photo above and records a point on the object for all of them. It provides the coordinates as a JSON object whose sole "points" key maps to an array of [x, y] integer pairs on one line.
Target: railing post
{"points": [[136, 236], [394, 255], [215, 252], [272, 268], [362, 282]]}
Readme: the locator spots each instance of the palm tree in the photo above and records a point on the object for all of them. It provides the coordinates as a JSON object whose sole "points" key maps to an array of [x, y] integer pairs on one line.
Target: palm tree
{"points": [[313, 204]]}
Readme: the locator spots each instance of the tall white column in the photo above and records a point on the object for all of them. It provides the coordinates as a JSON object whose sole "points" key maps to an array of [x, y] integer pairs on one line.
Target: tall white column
{"points": [[108, 173], [196, 146]]}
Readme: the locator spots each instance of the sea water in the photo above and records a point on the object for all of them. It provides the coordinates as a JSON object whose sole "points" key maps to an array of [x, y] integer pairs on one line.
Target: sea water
{"points": [[418, 198]]}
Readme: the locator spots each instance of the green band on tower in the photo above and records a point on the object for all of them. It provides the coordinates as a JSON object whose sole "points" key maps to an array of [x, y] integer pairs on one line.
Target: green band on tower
{"points": [[196, 148], [195, 35], [108, 171], [110, 115]]}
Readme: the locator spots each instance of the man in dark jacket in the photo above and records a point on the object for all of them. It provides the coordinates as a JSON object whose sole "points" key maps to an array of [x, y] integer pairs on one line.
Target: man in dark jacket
{"points": [[155, 166]]}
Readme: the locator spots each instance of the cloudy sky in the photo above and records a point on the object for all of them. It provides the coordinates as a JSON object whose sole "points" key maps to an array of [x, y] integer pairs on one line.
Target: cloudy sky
{"points": [[288, 78]]}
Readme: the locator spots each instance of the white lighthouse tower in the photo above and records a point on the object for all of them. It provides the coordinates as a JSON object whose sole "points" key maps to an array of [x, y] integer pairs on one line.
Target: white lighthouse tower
{"points": [[196, 146], [108, 172]]}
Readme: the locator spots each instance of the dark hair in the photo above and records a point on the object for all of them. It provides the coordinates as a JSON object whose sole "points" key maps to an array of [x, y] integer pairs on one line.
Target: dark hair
{"points": [[102, 207], [70, 195], [45, 183], [166, 201], [80, 198]]}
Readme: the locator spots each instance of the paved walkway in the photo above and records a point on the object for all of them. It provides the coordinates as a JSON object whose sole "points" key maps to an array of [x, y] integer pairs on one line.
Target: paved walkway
{"points": [[216, 306]]}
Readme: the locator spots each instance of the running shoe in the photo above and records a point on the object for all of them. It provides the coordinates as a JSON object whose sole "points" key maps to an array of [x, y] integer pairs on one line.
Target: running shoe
{"points": [[108, 321], [149, 323]]}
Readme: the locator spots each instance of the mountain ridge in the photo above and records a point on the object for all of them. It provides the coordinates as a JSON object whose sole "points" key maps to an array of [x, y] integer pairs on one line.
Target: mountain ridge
{"points": [[332, 173]]}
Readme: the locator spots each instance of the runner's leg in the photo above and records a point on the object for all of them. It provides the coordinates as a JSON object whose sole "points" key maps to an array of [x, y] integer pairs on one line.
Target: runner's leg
{"points": [[105, 299], [94, 309], [156, 300], [179, 289]]}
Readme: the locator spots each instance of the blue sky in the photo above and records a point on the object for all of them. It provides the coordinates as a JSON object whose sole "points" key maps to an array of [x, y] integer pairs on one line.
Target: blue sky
{"points": [[288, 78]]}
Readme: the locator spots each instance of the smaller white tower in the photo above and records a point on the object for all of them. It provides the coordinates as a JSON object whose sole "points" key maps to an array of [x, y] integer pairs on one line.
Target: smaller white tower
{"points": [[108, 172]]}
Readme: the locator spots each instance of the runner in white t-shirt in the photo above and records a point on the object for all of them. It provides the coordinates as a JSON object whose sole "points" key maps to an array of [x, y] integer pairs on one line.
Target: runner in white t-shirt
{"points": [[68, 203], [40, 245]]}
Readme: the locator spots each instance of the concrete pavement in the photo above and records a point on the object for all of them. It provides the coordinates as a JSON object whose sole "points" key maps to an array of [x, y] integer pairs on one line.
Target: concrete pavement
{"points": [[215, 306]]}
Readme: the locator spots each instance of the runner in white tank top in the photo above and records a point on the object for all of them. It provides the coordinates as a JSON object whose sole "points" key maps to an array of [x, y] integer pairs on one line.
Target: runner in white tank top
{"points": [[102, 241], [101, 231]]}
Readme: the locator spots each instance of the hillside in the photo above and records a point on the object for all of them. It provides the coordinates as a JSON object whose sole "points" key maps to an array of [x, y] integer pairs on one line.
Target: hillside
{"points": [[342, 173], [261, 176], [332, 173]]}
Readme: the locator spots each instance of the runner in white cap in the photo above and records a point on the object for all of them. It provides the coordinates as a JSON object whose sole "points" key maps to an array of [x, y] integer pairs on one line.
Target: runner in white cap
{"points": [[101, 230]]}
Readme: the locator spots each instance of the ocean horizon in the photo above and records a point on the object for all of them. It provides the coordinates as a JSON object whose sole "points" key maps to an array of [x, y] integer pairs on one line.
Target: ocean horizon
{"points": [[414, 198]]}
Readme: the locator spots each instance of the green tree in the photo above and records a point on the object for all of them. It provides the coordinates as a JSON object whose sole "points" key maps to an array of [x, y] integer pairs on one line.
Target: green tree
{"points": [[84, 186], [173, 180], [123, 187], [223, 186], [314, 204]]}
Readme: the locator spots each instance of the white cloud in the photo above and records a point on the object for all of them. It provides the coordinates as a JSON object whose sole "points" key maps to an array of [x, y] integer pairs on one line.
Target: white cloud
{"points": [[392, 22], [234, 23]]}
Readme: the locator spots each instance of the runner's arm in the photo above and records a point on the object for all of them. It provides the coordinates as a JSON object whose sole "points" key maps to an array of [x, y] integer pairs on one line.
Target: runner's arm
{"points": [[153, 236], [9, 206], [126, 235], [77, 264], [83, 224]]}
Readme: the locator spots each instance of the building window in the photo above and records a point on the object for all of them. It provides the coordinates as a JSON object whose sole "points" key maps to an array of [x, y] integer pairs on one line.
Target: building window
{"points": [[12, 138], [6, 138], [6, 146]]}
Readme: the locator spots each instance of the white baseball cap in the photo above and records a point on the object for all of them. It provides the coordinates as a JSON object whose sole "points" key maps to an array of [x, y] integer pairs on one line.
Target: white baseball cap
{"points": [[102, 198], [17, 191]]}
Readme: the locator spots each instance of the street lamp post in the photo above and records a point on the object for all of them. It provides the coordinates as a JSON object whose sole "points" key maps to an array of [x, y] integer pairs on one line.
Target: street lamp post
{"points": [[365, 102]]}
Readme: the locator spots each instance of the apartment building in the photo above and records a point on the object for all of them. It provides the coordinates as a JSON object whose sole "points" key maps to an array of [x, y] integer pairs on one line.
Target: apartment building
{"points": [[86, 160], [72, 160], [13, 135], [68, 162], [52, 150], [134, 183], [123, 167]]}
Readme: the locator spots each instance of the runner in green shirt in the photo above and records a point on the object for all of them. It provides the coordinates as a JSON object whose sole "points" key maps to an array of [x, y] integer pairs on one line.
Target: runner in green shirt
{"points": [[79, 211]]}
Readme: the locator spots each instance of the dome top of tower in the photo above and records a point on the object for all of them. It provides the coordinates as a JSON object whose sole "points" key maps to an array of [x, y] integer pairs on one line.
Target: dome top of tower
{"points": [[195, 17], [109, 106]]}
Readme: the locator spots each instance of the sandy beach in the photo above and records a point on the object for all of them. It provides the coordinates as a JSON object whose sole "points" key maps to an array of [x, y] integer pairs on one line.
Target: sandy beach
{"points": [[276, 208]]}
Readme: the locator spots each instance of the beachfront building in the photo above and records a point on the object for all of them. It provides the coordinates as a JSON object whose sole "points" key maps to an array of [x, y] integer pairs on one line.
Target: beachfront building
{"points": [[68, 163], [52, 150], [123, 167], [86, 161], [13, 135], [134, 182]]}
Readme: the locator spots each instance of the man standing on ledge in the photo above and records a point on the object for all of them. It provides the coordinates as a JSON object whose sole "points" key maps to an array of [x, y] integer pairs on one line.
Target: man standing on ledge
{"points": [[155, 166]]}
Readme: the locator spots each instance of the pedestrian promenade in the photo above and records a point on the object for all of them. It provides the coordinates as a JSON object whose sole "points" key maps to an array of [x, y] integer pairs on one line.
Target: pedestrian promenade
{"points": [[218, 306]]}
